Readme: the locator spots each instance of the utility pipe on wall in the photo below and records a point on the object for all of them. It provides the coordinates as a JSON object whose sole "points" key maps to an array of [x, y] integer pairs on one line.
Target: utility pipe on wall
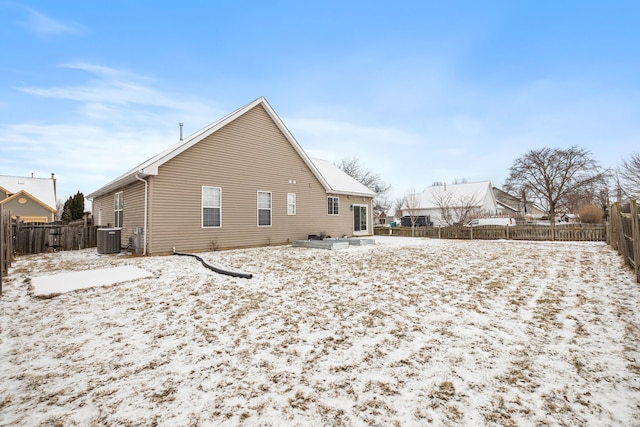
{"points": [[146, 187]]}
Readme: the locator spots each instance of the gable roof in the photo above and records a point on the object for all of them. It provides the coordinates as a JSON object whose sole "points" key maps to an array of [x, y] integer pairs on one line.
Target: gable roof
{"points": [[339, 181], [152, 165], [514, 203], [428, 199], [23, 193], [42, 190], [506, 206]]}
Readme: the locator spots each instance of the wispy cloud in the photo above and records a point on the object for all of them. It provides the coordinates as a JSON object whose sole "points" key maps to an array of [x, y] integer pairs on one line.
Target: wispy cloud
{"points": [[110, 86], [118, 119], [112, 93], [43, 25], [83, 157]]}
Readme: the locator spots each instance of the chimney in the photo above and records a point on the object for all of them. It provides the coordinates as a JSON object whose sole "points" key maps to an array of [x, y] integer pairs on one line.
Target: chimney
{"points": [[181, 124], [53, 178]]}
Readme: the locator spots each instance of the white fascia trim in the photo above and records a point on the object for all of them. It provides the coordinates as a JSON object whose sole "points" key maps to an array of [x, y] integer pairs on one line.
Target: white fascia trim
{"points": [[347, 193], [151, 166]]}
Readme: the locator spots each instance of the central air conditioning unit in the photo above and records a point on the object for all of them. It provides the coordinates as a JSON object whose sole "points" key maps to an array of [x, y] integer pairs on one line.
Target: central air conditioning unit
{"points": [[108, 240]]}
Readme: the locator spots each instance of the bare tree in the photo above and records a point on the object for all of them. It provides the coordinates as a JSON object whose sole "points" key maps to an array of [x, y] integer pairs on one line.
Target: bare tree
{"points": [[443, 199], [398, 205], [455, 208], [459, 181], [597, 193], [369, 179], [466, 206], [551, 175], [381, 205], [628, 176], [410, 206], [59, 209]]}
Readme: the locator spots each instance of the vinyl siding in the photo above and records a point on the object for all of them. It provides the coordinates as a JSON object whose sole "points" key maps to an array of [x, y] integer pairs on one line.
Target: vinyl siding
{"points": [[248, 155], [133, 212], [28, 210]]}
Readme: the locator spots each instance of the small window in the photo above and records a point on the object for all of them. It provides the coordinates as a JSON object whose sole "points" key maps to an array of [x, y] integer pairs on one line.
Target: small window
{"points": [[264, 208], [118, 209], [211, 207], [291, 203], [333, 205]]}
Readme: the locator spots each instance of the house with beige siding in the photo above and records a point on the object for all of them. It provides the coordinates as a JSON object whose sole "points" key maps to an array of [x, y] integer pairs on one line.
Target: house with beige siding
{"points": [[29, 198], [242, 181], [517, 206]]}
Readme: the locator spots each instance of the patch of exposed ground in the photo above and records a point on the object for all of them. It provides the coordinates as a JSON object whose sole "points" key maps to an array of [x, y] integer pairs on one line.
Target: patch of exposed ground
{"points": [[406, 332]]}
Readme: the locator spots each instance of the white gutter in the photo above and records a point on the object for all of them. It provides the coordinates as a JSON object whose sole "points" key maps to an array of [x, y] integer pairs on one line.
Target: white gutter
{"points": [[91, 200], [146, 187]]}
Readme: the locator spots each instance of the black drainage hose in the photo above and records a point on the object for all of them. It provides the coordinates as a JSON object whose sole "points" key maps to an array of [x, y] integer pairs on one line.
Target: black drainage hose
{"points": [[216, 269]]}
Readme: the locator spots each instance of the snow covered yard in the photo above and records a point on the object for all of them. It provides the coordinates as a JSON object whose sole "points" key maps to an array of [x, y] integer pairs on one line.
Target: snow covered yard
{"points": [[406, 332]]}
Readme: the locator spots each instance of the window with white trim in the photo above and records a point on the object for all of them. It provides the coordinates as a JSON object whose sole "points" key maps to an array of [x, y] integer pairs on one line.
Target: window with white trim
{"points": [[118, 209], [264, 208], [291, 203], [211, 206], [360, 218], [333, 205]]}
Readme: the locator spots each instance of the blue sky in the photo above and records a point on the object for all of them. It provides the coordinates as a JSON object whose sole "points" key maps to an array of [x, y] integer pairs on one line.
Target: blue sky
{"points": [[419, 91]]}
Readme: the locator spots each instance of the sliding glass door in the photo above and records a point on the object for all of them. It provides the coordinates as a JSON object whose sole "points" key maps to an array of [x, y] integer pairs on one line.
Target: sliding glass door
{"points": [[359, 219]]}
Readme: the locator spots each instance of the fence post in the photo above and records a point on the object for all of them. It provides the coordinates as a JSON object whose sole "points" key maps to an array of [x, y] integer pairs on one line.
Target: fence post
{"points": [[635, 234], [616, 228], [6, 243], [2, 249], [623, 248]]}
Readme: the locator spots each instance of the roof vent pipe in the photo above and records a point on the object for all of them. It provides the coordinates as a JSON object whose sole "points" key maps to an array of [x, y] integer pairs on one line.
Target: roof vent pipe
{"points": [[181, 131]]}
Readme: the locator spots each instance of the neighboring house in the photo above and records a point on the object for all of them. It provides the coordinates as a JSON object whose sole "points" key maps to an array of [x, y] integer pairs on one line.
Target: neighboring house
{"points": [[383, 218], [31, 199], [446, 204], [571, 218], [505, 209], [242, 181], [528, 210]]}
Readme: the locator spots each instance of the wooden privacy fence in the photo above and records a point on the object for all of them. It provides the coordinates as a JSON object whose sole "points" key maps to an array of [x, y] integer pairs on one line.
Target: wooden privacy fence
{"points": [[624, 233], [6, 244], [571, 232], [32, 238]]}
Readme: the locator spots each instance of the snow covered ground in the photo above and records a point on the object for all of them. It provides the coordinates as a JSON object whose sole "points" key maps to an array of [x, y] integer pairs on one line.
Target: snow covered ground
{"points": [[406, 332]]}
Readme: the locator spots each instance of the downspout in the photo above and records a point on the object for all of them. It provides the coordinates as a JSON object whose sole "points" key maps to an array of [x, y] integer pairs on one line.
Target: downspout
{"points": [[55, 196], [91, 200], [144, 228]]}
